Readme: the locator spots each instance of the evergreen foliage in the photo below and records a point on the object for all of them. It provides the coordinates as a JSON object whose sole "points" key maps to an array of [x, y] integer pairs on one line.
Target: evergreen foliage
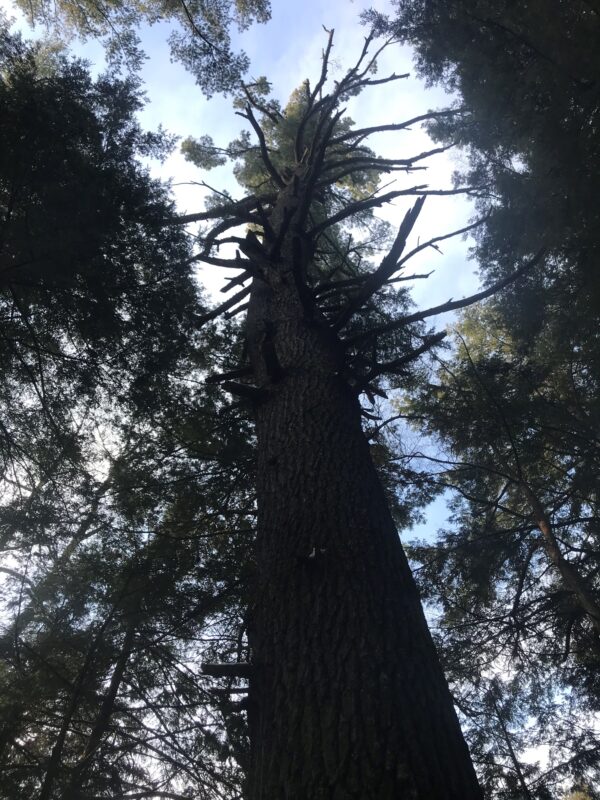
{"points": [[150, 517], [118, 555], [201, 38]]}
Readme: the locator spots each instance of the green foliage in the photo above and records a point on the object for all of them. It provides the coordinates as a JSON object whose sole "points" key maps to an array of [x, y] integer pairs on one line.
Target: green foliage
{"points": [[125, 526], [526, 76], [202, 152], [91, 279], [201, 40], [280, 127], [517, 425], [128, 507]]}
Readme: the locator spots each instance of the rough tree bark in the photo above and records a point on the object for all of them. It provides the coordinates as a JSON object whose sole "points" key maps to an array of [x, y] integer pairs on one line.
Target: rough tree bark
{"points": [[347, 697]]}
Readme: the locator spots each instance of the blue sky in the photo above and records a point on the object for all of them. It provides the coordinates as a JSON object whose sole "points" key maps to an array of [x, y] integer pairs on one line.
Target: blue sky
{"points": [[287, 50]]}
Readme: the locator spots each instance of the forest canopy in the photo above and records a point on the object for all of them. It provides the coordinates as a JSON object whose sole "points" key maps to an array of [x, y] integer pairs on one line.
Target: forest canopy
{"points": [[203, 588]]}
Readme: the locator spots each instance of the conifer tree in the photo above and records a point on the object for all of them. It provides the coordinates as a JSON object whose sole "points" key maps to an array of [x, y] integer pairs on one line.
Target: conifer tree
{"points": [[105, 582], [333, 602], [201, 38]]}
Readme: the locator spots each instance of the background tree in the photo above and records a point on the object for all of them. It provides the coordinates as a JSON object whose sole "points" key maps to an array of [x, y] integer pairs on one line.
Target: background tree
{"points": [[116, 550], [201, 39], [75, 263], [525, 76], [130, 548], [515, 575], [102, 636]]}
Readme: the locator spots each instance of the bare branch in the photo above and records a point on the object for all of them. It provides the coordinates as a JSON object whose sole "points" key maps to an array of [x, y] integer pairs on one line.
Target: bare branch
{"points": [[385, 164], [398, 364], [273, 114], [241, 372], [414, 277], [202, 320], [277, 179], [226, 263], [432, 242], [448, 306], [235, 311], [211, 238], [380, 200], [385, 270], [376, 81], [334, 286], [362, 133], [239, 279], [236, 208], [310, 108], [318, 156], [354, 74], [324, 67]]}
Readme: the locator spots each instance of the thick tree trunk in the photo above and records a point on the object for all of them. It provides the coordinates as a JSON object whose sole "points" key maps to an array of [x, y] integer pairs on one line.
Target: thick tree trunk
{"points": [[347, 697]]}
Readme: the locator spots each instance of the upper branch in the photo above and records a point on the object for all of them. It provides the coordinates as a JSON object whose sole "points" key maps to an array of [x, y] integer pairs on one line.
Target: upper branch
{"points": [[347, 166], [380, 200], [442, 237], [363, 133], [398, 364], [272, 113], [202, 320], [385, 270], [249, 115], [448, 306], [299, 141], [239, 209]]}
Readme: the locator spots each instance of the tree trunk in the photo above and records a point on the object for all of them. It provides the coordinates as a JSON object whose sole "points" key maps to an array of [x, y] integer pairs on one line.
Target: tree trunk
{"points": [[102, 721], [526, 794], [570, 575], [347, 697]]}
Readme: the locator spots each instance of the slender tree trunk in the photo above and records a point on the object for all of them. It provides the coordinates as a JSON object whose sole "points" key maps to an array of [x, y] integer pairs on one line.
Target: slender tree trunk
{"points": [[571, 577], [102, 722], [55, 762], [347, 697], [54, 765], [10, 729], [513, 756]]}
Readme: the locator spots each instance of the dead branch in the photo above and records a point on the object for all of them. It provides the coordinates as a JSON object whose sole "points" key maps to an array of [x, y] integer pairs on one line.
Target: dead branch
{"points": [[384, 271], [448, 306]]}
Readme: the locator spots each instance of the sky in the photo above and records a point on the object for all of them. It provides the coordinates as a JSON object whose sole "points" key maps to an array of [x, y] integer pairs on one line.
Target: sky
{"points": [[288, 49]]}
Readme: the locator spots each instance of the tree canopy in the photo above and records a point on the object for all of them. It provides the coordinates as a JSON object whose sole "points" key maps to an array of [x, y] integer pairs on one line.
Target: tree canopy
{"points": [[100, 493], [144, 556], [201, 38]]}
